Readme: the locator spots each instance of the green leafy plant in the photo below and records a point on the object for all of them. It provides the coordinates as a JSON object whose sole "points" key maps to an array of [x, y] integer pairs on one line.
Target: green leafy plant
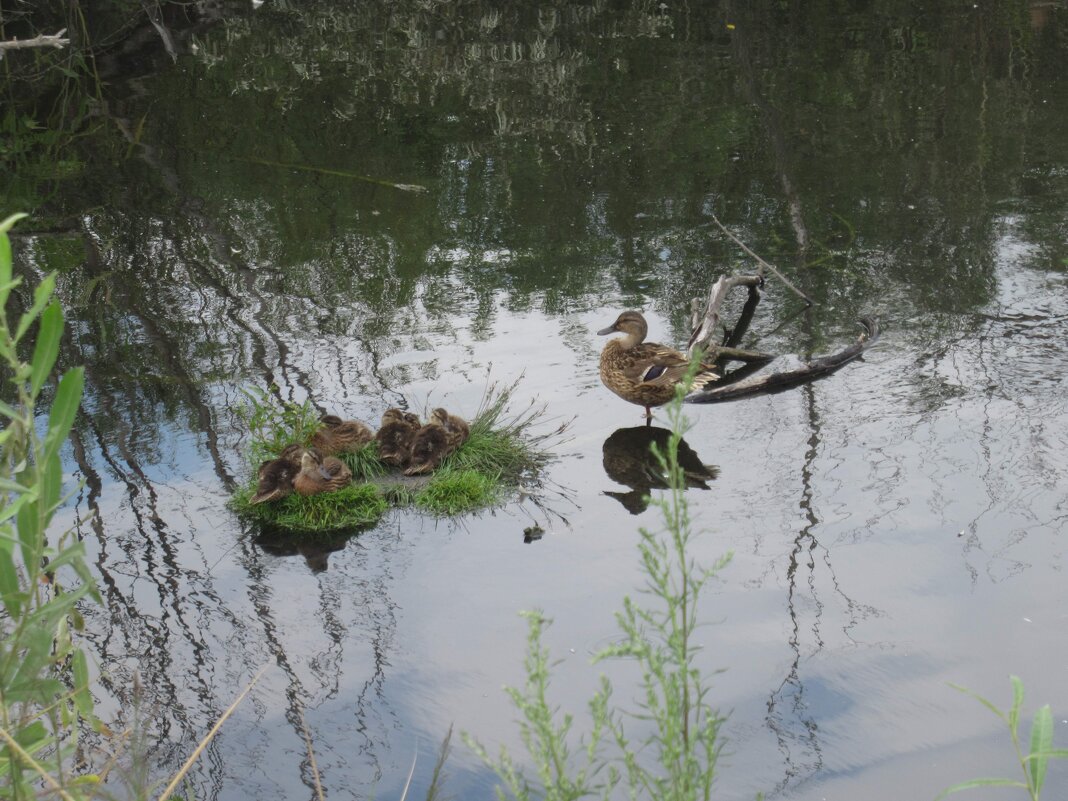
{"points": [[660, 637], [44, 677], [273, 423], [1033, 763], [546, 734], [679, 726]]}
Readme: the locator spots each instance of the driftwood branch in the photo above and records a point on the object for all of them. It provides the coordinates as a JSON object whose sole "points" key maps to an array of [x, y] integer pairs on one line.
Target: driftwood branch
{"points": [[763, 264], [725, 354], [706, 322], [776, 382], [56, 40]]}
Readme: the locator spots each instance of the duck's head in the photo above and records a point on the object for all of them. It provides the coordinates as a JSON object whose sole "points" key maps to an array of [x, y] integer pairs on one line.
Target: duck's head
{"points": [[275, 481], [292, 452], [309, 461], [440, 416], [393, 416], [630, 323]]}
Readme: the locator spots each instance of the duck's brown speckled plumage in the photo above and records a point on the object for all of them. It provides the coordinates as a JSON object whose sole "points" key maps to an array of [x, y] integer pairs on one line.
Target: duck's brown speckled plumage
{"points": [[439, 438], [395, 437], [456, 428], [643, 372], [429, 447], [340, 436], [274, 480], [327, 475]]}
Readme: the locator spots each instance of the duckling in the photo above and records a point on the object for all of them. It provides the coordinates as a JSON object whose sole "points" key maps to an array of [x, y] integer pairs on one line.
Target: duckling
{"points": [[456, 428], [326, 475], [293, 452], [275, 476], [274, 480], [643, 372], [395, 437], [340, 436], [429, 447]]}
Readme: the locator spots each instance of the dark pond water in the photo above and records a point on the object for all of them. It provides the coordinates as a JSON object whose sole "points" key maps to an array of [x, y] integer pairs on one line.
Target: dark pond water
{"points": [[234, 222]]}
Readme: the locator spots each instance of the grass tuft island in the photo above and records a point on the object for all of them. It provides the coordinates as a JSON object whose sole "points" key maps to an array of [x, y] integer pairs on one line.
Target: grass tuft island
{"points": [[499, 453]]}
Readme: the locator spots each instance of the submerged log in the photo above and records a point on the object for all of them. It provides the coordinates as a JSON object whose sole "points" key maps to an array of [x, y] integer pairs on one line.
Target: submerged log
{"points": [[777, 382]]}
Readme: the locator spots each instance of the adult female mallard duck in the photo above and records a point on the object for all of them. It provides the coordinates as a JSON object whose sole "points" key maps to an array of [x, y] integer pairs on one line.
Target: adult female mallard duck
{"points": [[340, 436], [395, 437], [643, 372], [320, 474]]}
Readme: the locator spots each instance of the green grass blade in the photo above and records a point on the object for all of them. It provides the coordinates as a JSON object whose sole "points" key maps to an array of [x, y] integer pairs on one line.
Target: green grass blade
{"points": [[7, 485], [46, 349], [1041, 743], [980, 699], [10, 592], [6, 226], [42, 293], [64, 408], [968, 785], [1017, 702]]}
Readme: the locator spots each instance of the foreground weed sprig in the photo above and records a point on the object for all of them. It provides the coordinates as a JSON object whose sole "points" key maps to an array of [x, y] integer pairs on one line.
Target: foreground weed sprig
{"points": [[1041, 750], [546, 734], [666, 749], [44, 676], [659, 633]]}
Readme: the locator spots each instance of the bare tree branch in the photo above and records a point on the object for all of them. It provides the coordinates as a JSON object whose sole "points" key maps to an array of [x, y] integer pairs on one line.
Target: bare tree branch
{"points": [[55, 40], [762, 263], [705, 324]]}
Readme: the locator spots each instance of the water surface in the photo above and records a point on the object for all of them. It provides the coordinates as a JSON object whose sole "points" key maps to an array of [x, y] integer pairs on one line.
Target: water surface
{"points": [[894, 528]]}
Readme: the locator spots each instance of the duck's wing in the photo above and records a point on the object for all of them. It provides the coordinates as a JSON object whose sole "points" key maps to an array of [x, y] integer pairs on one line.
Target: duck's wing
{"points": [[656, 365]]}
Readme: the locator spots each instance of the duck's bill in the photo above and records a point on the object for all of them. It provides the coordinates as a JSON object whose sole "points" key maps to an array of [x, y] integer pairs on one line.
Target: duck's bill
{"points": [[611, 329]]}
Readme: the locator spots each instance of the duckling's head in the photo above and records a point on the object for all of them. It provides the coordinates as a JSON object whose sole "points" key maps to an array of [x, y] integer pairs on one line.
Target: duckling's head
{"points": [[309, 460], [275, 481], [440, 416], [630, 323], [392, 416], [330, 420], [292, 452], [411, 419]]}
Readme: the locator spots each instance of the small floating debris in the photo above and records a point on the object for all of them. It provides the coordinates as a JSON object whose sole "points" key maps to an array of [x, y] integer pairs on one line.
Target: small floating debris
{"points": [[532, 534], [324, 474]]}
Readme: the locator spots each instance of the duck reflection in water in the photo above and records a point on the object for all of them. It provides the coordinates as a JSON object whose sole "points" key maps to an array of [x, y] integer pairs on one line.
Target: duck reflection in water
{"points": [[629, 460], [315, 552]]}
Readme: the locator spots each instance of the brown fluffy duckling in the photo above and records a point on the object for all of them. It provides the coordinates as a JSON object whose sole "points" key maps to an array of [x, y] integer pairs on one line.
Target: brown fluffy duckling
{"points": [[340, 436], [456, 428], [643, 372], [429, 446], [274, 480], [325, 474], [395, 437]]}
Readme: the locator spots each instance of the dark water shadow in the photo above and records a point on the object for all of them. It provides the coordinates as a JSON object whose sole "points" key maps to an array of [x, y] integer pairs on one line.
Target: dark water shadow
{"points": [[629, 460], [315, 548]]}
